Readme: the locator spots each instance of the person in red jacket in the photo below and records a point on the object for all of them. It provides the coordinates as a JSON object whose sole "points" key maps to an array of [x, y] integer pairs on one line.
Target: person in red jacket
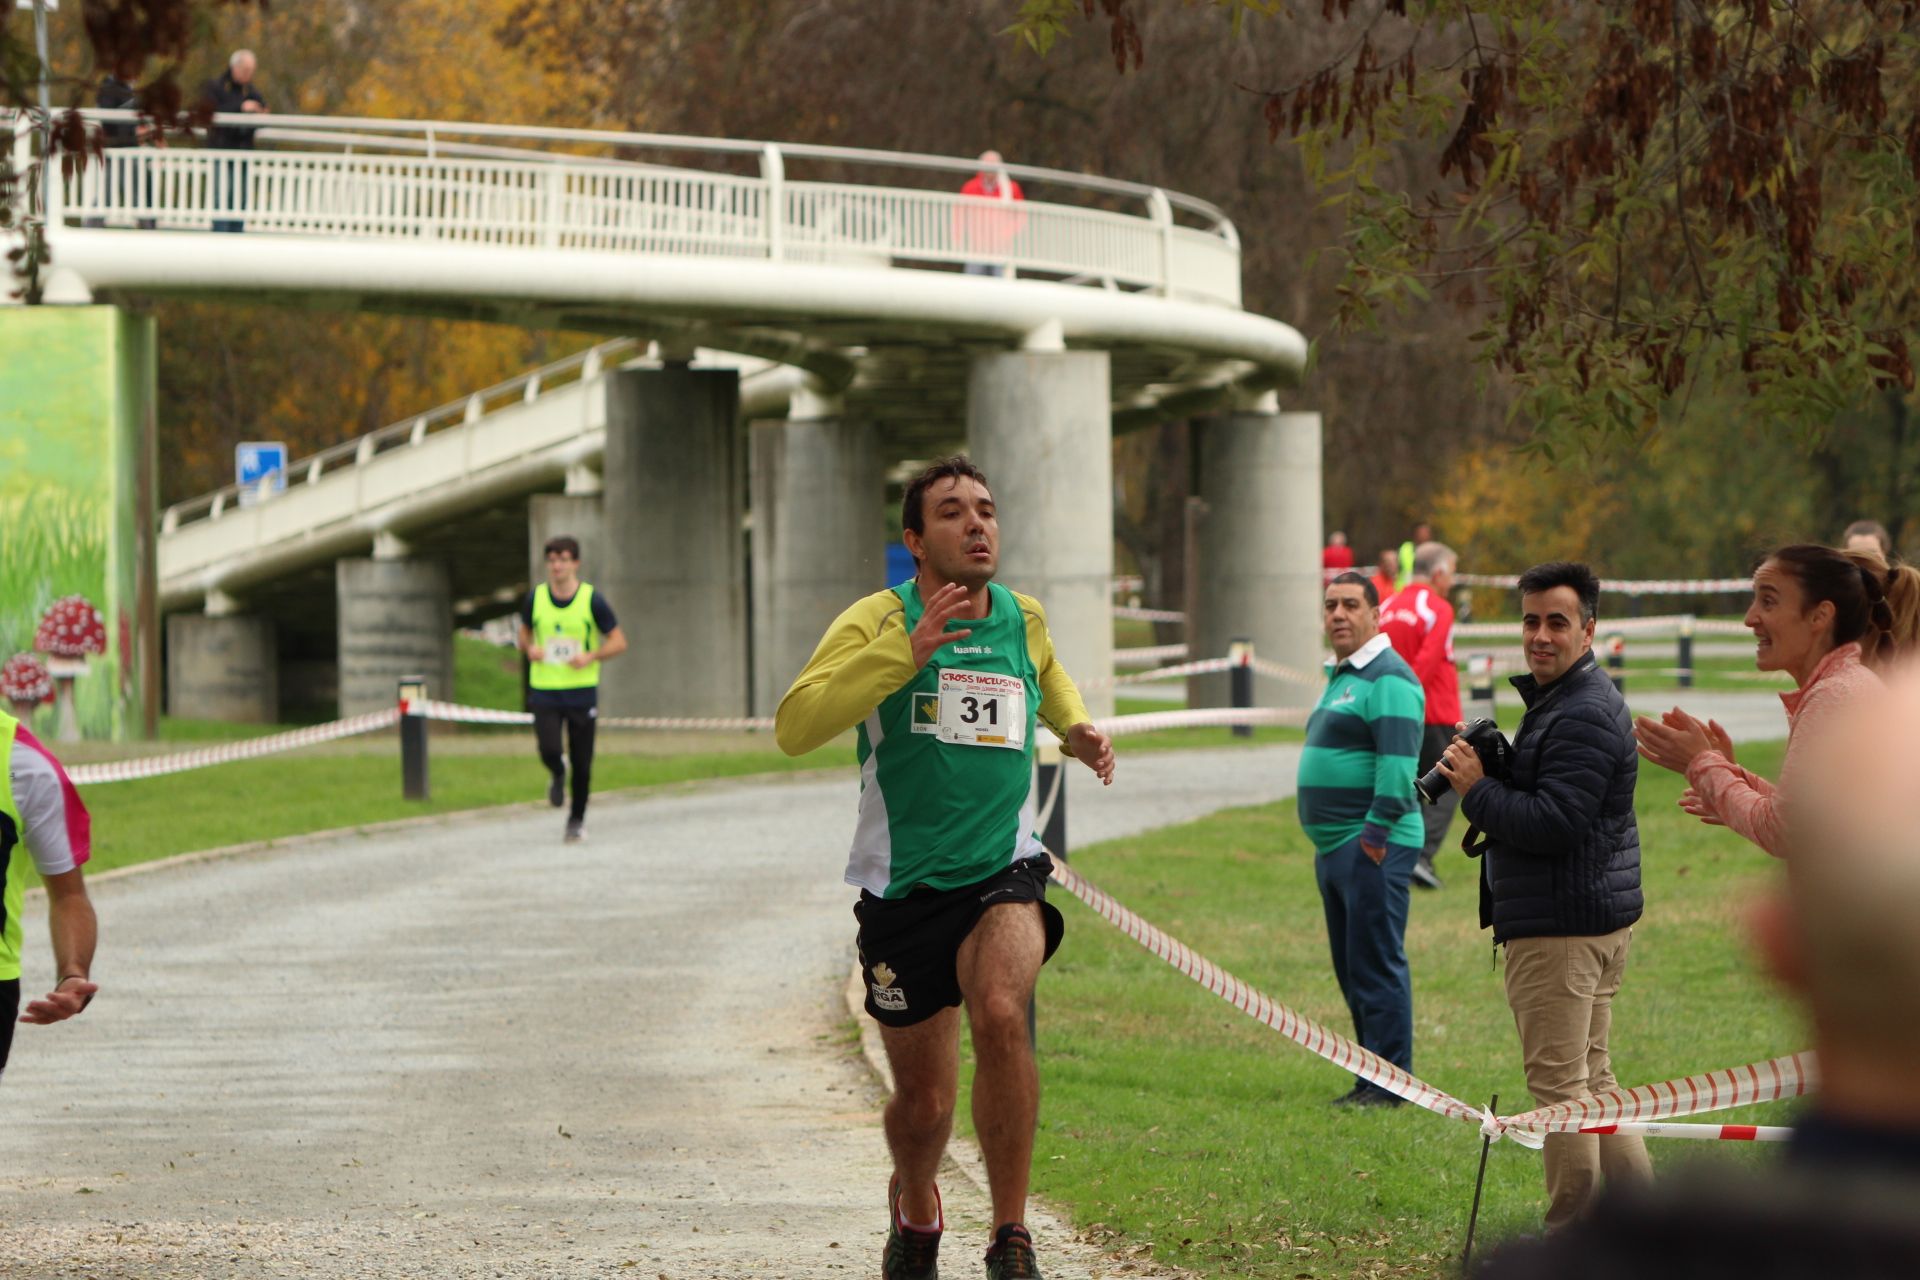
{"points": [[1386, 574], [1418, 620], [988, 223], [1336, 557]]}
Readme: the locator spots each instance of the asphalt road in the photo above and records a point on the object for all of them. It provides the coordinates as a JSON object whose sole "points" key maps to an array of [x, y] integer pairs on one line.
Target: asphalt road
{"points": [[464, 1049]]}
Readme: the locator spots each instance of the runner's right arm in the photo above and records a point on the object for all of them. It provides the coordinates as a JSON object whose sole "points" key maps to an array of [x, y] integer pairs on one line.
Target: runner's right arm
{"points": [[865, 656]]}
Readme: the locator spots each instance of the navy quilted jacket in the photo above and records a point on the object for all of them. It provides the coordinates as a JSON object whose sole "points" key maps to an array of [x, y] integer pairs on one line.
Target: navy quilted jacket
{"points": [[1562, 848]]}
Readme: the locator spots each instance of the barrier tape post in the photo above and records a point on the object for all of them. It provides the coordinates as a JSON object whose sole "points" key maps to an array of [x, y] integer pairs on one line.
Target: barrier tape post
{"points": [[1240, 680], [1684, 652], [1479, 1181], [1617, 662], [414, 782], [1480, 692]]}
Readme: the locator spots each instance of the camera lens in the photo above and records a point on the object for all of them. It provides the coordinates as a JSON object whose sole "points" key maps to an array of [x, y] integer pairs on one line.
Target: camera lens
{"points": [[1431, 785]]}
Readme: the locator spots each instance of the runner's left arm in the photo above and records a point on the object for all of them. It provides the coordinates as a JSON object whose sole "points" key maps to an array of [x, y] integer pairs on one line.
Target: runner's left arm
{"points": [[1061, 708]]}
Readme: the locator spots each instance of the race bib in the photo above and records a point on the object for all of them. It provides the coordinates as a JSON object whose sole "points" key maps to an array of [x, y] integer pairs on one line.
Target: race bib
{"points": [[563, 649], [982, 709]]}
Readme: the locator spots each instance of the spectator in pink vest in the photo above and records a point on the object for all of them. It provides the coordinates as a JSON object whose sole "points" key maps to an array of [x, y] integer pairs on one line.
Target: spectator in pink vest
{"points": [[988, 223]]}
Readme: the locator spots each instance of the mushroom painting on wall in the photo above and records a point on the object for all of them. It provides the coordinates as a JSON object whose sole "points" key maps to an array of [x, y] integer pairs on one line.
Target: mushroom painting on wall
{"points": [[70, 631]]}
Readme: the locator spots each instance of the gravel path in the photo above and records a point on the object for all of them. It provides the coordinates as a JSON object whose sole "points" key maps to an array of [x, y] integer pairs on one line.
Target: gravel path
{"points": [[465, 1050]]}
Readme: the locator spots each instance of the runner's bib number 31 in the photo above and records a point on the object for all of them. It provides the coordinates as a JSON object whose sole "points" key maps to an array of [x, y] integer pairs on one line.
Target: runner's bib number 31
{"points": [[982, 709]]}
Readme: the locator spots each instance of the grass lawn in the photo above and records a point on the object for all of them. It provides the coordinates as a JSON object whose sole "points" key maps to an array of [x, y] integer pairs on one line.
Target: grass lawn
{"points": [[1172, 1120]]}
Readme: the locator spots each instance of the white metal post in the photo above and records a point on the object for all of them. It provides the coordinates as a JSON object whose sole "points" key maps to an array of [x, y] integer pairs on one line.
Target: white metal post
{"points": [[1161, 210], [773, 171]]}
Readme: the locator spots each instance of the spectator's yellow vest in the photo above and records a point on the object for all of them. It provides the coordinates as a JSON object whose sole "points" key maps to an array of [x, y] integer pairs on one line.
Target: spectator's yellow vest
{"points": [[13, 856], [563, 633]]}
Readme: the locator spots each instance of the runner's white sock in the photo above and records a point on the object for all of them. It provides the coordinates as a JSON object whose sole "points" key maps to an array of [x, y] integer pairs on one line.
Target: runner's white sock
{"points": [[939, 1223]]}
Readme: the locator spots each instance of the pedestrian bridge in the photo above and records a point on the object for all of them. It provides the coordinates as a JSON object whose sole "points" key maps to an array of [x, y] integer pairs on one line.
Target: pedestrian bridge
{"points": [[855, 294]]}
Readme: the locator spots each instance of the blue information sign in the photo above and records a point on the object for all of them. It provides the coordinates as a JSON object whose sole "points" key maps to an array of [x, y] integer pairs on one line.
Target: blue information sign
{"points": [[256, 460]]}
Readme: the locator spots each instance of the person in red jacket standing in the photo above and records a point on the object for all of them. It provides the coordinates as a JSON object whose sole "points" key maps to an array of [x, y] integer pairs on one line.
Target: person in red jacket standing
{"points": [[988, 223], [1418, 620], [1336, 557]]}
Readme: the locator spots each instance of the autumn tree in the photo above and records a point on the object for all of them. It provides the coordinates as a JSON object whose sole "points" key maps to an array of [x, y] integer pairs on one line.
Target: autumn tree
{"points": [[1649, 200]]}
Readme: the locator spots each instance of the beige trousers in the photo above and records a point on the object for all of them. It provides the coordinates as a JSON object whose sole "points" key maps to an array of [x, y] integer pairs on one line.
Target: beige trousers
{"points": [[1561, 992]]}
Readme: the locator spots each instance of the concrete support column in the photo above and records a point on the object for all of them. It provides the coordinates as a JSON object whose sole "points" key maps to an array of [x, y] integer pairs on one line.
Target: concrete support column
{"points": [[674, 563], [1039, 424], [1259, 550], [222, 668], [396, 619], [582, 518], [819, 539]]}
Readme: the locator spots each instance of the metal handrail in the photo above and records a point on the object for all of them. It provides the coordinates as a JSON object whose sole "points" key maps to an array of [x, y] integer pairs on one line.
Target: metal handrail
{"points": [[413, 428], [434, 130]]}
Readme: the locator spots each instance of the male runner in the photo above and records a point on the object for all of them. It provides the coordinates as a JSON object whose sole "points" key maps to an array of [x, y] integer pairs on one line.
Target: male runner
{"points": [[567, 631], [40, 809], [953, 905]]}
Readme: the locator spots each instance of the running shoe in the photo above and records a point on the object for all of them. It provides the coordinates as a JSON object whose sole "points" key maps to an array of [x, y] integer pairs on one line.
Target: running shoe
{"points": [[576, 831], [557, 790], [1010, 1256], [1423, 874], [910, 1254]]}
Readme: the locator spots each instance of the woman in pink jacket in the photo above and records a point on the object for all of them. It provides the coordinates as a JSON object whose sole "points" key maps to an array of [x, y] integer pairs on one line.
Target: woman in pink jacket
{"points": [[1828, 618]]}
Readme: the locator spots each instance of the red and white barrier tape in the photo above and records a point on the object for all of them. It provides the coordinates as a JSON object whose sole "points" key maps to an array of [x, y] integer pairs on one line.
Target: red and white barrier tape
{"points": [[1619, 1111], [1129, 582], [1626, 586], [227, 752], [1201, 667], [1148, 655], [1199, 717], [1148, 615], [1278, 671], [434, 709], [1699, 1132]]}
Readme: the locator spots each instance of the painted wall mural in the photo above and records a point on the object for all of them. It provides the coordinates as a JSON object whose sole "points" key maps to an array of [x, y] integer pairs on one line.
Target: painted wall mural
{"points": [[76, 504]]}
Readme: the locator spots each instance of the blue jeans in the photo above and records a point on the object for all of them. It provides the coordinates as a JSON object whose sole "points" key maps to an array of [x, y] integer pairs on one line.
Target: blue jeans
{"points": [[1366, 908]]}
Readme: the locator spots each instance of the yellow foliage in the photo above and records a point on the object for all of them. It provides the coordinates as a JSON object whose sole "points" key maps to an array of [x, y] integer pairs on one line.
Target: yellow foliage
{"points": [[1504, 510]]}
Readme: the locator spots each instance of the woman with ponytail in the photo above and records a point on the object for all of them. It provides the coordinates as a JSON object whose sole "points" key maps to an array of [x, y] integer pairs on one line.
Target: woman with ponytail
{"points": [[1828, 619]]}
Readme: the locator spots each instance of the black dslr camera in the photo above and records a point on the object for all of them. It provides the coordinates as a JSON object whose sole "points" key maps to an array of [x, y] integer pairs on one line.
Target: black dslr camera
{"points": [[1491, 745]]}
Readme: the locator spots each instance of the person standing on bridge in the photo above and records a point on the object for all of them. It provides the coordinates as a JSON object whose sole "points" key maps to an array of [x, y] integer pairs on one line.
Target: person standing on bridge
{"points": [[40, 809], [952, 878], [567, 630], [232, 93], [988, 229]]}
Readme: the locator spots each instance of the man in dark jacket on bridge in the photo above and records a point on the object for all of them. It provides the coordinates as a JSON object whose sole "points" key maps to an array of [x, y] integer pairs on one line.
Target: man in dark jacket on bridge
{"points": [[232, 93], [1561, 880]]}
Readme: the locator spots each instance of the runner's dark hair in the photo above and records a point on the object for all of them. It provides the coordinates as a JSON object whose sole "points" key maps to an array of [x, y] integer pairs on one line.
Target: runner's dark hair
{"points": [[913, 503], [564, 545]]}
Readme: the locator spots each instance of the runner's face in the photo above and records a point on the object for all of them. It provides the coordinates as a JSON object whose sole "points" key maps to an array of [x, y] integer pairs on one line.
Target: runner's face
{"points": [[961, 541], [562, 570]]}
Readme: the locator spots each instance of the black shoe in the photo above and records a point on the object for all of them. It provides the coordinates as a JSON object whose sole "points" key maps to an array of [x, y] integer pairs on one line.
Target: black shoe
{"points": [[1010, 1256], [910, 1254], [1348, 1098], [557, 790], [1366, 1095], [1423, 873], [576, 830]]}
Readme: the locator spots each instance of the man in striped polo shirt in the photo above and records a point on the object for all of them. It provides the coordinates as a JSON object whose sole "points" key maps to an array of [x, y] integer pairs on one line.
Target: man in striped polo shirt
{"points": [[1357, 806]]}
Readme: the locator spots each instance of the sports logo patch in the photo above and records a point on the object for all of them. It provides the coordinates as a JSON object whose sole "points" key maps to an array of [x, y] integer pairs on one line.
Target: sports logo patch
{"points": [[885, 994], [926, 713]]}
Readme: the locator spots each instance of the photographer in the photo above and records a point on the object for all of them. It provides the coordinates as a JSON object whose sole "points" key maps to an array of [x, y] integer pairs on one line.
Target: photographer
{"points": [[1561, 883]]}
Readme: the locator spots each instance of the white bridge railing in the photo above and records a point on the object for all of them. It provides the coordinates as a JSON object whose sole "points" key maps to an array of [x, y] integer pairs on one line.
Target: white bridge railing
{"points": [[462, 183]]}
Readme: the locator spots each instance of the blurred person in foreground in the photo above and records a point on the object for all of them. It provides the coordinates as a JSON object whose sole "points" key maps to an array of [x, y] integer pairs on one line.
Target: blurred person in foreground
{"points": [[1836, 929], [1561, 878], [1419, 622], [1356, 805], [1827, 618], [43, 822]]}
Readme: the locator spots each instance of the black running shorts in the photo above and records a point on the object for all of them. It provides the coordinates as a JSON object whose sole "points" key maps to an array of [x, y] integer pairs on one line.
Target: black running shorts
{"points": [[909, 946], [9, 1016]]}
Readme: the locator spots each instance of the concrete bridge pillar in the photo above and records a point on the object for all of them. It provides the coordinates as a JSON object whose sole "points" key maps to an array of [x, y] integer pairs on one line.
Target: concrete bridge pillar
{"points": [[1039, 425], [222, 667], [395, 619], [1259, 549], [674, 563], [819, 538]]}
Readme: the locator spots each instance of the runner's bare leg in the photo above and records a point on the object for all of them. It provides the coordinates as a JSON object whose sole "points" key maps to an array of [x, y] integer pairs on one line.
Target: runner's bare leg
{"points": [[919, 1117], [998, 965]]}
